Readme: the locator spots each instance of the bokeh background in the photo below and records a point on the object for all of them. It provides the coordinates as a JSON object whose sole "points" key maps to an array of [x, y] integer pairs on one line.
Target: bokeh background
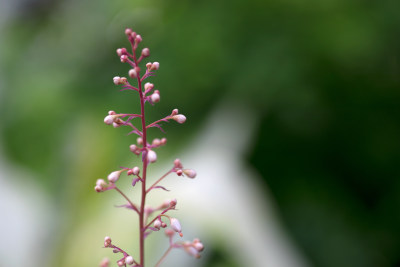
{"points": [[298, 99]]}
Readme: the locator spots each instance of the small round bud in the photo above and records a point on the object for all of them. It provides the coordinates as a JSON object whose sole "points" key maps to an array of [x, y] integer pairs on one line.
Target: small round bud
{"points": [[155, 66], [135, 170], [98, 188], [114, 176], [163, 225], [123, 80], [148, 87], [198, 245], [148, 65], [129, 260], [107, 241], [132, 73], [163, 141], [117, 80], [156, 142], [177, 163], [139, 141], [109, 119], [133, 35], [101, 183], [155, 98], [173, 202], [179, 118], [116, 124], [179, 172], [121, 263], [119, 52], [128, 31], [111, 112], [157, 223], [124, 58], [190, 173], [133, 148], [151, 156], [105, 262], [146, 52], [175, 225], [174, 112], [138, 38]]}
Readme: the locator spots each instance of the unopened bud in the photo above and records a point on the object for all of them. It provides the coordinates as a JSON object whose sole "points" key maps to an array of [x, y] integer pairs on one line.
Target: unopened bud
{"points": [[146, 52], [139, 141], [117, 80], [114, 176], [155, 98], [133, 148], [148, 87], [128, 31], [98, 188], [151, 156], [175, 225], [163, 141], [156, 142], [132, 73], [109, 119], [121, 263], [198, 245], [173, 202], [148, 65], [124, 58], [133, 35], [123, 80], [177, 163], [169, 232], [155, 66], [129, 260], [174, 112], [190, 173], [157, 223], [135, 170], [107, 241], [179, 118], [179, 172], [111, 112], [105, 262], [138, 38]]}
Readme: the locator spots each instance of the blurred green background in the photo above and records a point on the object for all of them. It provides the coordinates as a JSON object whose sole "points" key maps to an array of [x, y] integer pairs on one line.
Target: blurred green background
{"points": [[321, 77]]}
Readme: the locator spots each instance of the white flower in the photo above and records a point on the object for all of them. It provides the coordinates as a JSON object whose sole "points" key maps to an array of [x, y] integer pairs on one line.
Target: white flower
{"points": [[179, 118]]}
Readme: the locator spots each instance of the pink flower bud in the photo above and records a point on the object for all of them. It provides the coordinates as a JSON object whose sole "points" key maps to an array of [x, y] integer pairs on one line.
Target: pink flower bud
{"points": [[124, 58], [105, 262], [151, 156], [132, 73], [109, 119], [157, 223], [128, 31], [133, 148], [179, 118], [174, 112], [146, 52], [163, 225], [156, 142], [107, 241], [173, 202], [111, 112], [101, 182], [148, 86], [133, 35], [98, 188], [155, 98], [139, 141], [121, 263], [148, 65], [198, 245], [163, 141], [177, 163], [138, 38], [123, 80], [192, 251], [155, 66], [116, 124], [175, 225], [190, 173], [117, 80], [114, 176], [135, 170], [179, 172], [129, 260]]}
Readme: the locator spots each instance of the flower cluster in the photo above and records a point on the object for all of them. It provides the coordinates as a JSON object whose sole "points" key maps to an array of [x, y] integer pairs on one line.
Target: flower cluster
{"points": [[151, 219]]}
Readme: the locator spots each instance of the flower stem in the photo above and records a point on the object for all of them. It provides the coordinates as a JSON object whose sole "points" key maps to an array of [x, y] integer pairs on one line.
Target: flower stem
{"points": [[164, 256]]}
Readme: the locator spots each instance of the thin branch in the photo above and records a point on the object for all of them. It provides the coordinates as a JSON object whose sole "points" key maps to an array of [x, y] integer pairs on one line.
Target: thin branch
{"points": [[129, 201], [164, 256], [159, 180]]}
